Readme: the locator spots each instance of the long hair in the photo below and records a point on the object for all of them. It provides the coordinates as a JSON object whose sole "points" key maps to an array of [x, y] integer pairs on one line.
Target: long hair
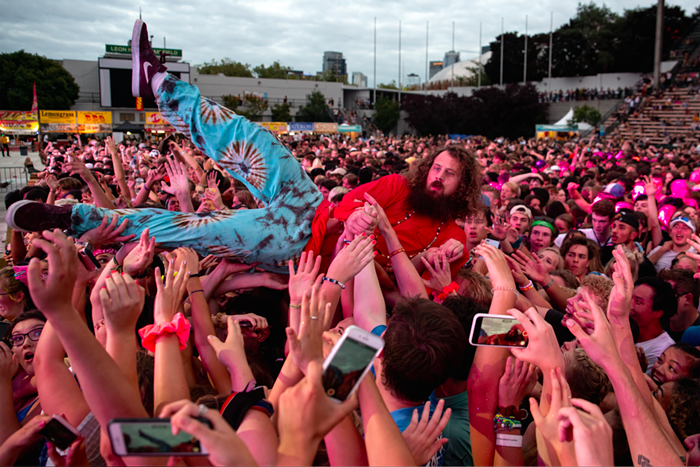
{"points": [[467, 199]]}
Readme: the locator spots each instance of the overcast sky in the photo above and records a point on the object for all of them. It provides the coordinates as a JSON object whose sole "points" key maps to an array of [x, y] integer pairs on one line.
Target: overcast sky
{"points": [[294, 32]]}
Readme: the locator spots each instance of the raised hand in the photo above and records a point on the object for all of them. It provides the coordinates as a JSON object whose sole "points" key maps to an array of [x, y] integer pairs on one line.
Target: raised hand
{"points": [[52, 294], [495, 260], [122, 301], [586, 424], [307, 414], [221, 442], [138, 255], [179, 183], [542, 346], [421, 435], [305, 276], [257, 322], [499, 229], [170, 292], [75, 166], [600, 344], [383, 224], [517, 382], [231, 354], [8, 364], [440, 275], [548, 424], [649, 186], [107, 232], [208, 261], [364, 220], [517, 271], [153, 177], [533, 265], [188, 257], [453, 249], [307, 345], [620, 300], [352, 259]]}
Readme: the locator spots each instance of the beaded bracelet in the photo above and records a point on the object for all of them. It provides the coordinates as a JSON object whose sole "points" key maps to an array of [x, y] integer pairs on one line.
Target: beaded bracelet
{"points": [[333, 281], [526, 287], [396, 252], [502, 423], [505, 289]]}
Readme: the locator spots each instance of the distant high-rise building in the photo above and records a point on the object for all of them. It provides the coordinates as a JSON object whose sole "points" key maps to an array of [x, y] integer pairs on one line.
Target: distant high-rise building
{"points": [[359, 79], [434, 68], [334, 61], [451, 58]]}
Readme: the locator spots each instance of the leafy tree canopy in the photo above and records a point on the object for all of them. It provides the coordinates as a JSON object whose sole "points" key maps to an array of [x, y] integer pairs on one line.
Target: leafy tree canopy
{"points": [[280, 113], [387, 114], [274, 71], [586, 114], [316, 109], [55, 87], [226, 66]]}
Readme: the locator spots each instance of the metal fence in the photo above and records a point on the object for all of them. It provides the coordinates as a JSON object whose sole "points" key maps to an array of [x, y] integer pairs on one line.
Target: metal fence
{"points": [[13, 178]]}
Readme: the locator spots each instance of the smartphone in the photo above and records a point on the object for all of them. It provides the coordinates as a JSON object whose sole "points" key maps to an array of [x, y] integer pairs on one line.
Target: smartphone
{"points": [[349, 361], [497, 331], [59, 432], [152, 437], [493, 243], [86, 250]]}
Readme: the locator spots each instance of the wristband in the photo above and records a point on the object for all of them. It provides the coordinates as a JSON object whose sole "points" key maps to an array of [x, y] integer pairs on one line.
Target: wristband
{"points": [[194, 291], [333, 281], [178, 326], [195, 275], [526, 287], [114, 258], [513, 441], [505, 289], [551, 281], [502, 423], [516, 244], [396, 252], [291, 305]]}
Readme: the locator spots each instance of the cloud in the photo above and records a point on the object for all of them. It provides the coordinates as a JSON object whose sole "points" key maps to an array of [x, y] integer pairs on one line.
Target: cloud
{"points": [[294, 32]]}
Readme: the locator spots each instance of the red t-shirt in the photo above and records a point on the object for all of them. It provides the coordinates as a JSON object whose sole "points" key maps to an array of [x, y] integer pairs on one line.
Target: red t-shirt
{"points": [[415, 233]]}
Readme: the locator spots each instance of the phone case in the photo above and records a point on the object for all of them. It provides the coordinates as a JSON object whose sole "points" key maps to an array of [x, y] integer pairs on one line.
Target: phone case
{"points": [[472, 340]]}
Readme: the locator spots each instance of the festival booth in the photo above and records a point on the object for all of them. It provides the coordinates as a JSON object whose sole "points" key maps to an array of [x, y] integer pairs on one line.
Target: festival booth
{"points": [[21, 128], [353, 130], [562, 130], [276, 128], [124, 131]]}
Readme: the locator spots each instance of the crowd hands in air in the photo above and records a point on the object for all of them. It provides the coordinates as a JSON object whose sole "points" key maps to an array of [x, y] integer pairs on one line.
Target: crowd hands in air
{"points": [[593, 250]]}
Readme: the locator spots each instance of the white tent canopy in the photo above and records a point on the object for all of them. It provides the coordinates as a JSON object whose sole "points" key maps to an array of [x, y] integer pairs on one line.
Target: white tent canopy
{"points": [[564, 122]]}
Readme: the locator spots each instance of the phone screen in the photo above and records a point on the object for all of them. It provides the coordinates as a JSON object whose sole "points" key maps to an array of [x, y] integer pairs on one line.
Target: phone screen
{"points": [[498, 331], [59, 435], [346, 368], [156, 437]]}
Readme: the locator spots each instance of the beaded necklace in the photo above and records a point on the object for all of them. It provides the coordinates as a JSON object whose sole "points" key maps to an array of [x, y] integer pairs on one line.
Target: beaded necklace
{"points": [[408, 216]]}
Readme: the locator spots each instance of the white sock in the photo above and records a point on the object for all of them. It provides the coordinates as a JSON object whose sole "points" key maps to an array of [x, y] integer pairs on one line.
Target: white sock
{"points": [[157, 80]]}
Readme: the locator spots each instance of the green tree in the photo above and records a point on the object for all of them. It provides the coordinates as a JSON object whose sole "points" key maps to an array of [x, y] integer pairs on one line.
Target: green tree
{"points": [[256, 107], [586, 114], [280, 113], [230, 101], [316, 109], [226, 66], [387, 114], [473, 80], [55, 87], [274, 71]]}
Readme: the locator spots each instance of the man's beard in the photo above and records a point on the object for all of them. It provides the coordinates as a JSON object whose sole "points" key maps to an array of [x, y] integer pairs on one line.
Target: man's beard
{"points": [[428, 203]]}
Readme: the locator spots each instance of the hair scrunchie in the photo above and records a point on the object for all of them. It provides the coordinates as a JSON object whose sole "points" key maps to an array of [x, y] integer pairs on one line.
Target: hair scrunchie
{"points": [[178, 326]]}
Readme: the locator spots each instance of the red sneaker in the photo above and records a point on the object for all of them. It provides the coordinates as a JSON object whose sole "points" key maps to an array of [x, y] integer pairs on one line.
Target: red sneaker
{"points": [[30, 216], [145, 64]]}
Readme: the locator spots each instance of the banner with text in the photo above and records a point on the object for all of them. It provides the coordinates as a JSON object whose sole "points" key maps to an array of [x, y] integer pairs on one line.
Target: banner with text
{"points": [[58, 121], [301, 126], [156, 122], [349, 129], [18, 122], [274, 127], [94, 122], [326, 127]]}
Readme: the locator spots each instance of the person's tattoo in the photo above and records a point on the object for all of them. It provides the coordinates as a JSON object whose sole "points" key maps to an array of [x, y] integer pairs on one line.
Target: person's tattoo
{"points": [[643, 461]]}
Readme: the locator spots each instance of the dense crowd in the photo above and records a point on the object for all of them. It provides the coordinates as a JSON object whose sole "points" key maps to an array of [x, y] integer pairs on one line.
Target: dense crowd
{"points": [[585, 94], [229, 263]]}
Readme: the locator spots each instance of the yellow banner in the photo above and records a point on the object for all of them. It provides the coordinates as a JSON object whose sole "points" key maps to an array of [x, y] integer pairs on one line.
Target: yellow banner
{"points": [[94, 118], [17, 116], [274, 127], [57, 116], [155, 118]]}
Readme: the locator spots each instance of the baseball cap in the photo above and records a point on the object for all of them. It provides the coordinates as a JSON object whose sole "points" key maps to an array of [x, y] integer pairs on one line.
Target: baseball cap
{"points": [[615, 189], [683, 220], [627, 217], [339, 171], [521, 208], [154, 153]]}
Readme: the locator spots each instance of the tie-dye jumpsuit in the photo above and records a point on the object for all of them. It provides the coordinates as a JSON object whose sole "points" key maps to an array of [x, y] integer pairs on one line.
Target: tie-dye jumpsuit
{"points": [[251, 154]]}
